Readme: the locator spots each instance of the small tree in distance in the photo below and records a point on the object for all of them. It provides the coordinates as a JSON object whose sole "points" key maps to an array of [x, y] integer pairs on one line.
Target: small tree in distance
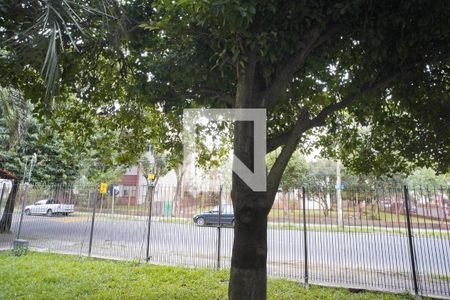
{"points": [[293, 177]]}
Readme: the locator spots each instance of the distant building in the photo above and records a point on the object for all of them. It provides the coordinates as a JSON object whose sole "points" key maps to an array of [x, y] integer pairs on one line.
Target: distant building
{"points": [[131, 187], [133, 184]]}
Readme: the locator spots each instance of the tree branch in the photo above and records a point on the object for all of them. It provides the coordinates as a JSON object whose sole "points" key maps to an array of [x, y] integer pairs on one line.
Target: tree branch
{"points": [[245, 82], [291, 138], [274, 177], [284, 75], [218, 95], [278, 141], [332, 30], [320, 119], [227, 99]]}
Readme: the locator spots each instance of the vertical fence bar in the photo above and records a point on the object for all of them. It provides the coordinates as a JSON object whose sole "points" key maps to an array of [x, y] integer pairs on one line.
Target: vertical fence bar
{"points": [[305, 239], [410, 241], [219, 238], [91, 235], [25, 198], [150, 197]]}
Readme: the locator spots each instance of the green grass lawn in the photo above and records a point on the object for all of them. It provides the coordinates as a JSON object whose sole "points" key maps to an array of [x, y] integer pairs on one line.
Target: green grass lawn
{"points": [[350, 213], [53, 276]]}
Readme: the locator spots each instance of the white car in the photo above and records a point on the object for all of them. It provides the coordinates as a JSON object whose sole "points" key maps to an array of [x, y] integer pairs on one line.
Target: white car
{"points": [[49, 207]]}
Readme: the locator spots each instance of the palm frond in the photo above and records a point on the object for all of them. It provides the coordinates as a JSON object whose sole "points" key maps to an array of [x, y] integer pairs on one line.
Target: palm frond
{"points": [[54, 22]]}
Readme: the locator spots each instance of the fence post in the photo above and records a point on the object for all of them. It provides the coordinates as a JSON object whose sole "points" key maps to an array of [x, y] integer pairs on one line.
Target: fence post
{"points": [[305, 240], [219, 228], [91, 235], [150, 197], [410, 242], [25, 199]]}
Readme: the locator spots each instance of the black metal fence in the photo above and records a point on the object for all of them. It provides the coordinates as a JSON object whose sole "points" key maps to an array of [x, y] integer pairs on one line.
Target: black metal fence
{"points": [[371, 237]]}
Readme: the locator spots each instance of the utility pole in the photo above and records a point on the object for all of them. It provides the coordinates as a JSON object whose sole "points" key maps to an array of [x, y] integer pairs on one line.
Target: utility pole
{"points": [[150, 190], [151, 182], [113, 194], [338, 193], [33, 161]]}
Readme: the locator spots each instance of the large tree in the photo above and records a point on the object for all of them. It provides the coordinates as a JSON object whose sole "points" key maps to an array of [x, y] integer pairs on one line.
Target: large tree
{"points": [[317, 67], [329, 65]]}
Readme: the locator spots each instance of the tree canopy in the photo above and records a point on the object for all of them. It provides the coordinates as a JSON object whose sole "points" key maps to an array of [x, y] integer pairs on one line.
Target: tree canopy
{"points": [[366, 80], [22, 136], [309, 57]]}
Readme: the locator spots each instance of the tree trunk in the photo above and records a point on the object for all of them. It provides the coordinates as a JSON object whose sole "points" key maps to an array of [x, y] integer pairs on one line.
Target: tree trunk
{"points": [[358, 206], [178, 191], [5, 222], [248, 276], [285, 198]]}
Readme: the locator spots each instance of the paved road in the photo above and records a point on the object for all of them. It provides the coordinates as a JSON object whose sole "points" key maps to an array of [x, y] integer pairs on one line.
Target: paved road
{"points": [[377, 260]]}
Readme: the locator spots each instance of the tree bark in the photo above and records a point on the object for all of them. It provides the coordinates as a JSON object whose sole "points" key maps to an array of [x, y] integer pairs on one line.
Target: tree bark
{"points": [[285, 203], [5, 222], [248, 277], [178, 191]]}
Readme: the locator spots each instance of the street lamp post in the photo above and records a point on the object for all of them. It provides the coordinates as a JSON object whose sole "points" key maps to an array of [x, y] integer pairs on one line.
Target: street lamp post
{"points": [[18, 243]]}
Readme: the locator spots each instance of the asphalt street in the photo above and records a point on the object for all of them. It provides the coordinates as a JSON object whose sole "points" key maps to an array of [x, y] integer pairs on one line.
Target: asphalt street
{"points": [[380, 260]]}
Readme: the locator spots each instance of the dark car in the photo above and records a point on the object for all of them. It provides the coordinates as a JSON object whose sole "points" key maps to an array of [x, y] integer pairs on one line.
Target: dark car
{"points": [[212, 217], [397, 206]]}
